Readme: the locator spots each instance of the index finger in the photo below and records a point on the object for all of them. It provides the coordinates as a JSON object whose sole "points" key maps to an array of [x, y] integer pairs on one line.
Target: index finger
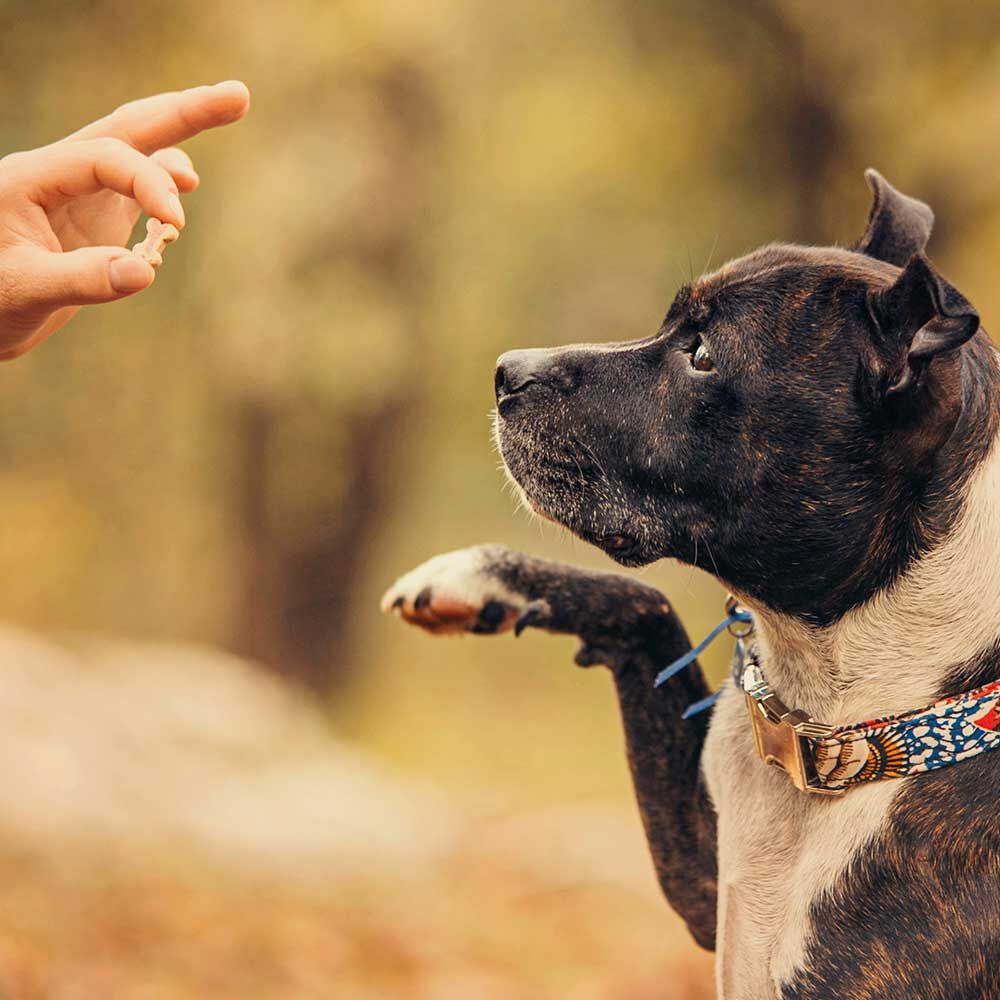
{"points": [[167, 119]]}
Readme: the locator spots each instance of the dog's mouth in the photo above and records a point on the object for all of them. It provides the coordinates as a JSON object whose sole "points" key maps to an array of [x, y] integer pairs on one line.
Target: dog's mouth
{"points": [[506, 403], [621, 546]]}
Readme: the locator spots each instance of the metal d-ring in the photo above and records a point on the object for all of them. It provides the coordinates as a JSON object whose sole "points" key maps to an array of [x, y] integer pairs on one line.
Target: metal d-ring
{"points": [[740, 630], [741, 627]]}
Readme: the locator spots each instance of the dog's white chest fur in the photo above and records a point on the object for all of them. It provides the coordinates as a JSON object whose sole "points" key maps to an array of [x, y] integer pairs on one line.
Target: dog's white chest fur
{"points": [[778, 850]]}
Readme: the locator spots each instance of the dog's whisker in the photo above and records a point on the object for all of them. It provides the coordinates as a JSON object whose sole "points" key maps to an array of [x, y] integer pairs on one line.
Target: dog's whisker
{"points": [[715, 565], [711, 254], [678, 267]]}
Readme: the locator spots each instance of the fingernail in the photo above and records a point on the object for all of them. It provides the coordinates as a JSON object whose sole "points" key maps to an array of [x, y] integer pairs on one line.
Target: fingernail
{"points": [[236, 84], [178, 209], [128, 274]]}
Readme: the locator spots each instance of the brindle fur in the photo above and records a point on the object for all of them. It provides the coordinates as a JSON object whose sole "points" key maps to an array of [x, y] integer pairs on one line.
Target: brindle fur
{"points": [[919, 915], [854, 398]]}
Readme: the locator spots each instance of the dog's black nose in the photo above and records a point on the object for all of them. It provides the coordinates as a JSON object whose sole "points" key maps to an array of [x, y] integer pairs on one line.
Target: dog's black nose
{"points": [[516, 370]]}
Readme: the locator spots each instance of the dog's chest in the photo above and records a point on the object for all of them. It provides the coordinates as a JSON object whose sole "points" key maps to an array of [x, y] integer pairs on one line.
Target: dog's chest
{"points": [[779, 850]]}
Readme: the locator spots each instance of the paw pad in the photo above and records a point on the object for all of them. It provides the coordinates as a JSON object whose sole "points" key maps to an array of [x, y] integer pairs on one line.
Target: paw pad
{"points": [[454, 593]]}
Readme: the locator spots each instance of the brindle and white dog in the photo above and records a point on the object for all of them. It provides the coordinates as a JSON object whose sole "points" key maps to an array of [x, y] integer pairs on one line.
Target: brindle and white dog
{"points": [[817, 427]]}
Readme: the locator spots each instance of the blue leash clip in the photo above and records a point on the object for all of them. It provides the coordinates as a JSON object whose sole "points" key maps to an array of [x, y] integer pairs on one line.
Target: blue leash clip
{"points": [[737, 615]]}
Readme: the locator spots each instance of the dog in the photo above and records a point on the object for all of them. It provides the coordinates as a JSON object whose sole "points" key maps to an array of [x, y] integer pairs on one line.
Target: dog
{"points": [[817, 427]]}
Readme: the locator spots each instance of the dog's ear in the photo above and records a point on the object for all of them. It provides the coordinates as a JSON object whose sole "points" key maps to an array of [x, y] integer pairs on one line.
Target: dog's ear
{"points": [[898, 226], [919, 317]]}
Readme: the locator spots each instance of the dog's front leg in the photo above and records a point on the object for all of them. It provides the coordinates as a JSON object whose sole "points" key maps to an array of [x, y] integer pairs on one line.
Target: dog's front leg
{"points": [[631, 628]]}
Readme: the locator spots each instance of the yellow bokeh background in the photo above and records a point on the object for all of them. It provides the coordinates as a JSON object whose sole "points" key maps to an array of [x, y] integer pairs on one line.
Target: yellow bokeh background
{"points": [[239, 460]]}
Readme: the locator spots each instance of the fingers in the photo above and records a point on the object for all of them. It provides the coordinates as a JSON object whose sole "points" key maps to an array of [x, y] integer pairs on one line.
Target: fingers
{"points": [[167, 119], [40, 281], [178, 164], [66, 170]]}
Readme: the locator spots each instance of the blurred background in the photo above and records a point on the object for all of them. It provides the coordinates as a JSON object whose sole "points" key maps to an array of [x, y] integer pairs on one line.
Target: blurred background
{"points": [[223, 773]]}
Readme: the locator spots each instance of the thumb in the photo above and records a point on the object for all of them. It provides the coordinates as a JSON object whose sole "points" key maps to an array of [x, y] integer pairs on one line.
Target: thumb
{"points": [[44, 281]]}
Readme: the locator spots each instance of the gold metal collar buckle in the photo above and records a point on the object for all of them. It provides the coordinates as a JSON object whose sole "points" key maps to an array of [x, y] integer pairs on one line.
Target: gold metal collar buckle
{"points": [[780, 735]]}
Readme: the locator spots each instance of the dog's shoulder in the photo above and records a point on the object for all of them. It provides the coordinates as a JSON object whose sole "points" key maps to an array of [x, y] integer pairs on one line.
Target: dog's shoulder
{"points": [[918, 912]]}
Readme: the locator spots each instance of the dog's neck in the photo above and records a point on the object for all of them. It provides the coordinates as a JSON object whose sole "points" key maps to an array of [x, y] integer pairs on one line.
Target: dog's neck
{"points": [[935, 631]]}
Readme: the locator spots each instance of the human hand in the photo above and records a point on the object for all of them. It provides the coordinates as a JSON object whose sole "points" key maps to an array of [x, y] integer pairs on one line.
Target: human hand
{"points": [[67, 209]]}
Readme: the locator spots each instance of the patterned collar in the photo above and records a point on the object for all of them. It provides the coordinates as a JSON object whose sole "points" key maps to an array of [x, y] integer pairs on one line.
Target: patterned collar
{"points": [[825, 760]]}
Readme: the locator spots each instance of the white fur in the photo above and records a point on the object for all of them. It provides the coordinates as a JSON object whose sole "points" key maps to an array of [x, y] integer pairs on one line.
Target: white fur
{"points": [[779, 849], [459, 575]]}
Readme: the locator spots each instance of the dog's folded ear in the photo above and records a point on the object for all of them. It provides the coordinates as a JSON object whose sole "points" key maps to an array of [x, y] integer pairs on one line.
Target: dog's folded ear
{"points": [[898, 226], [918, 318]]}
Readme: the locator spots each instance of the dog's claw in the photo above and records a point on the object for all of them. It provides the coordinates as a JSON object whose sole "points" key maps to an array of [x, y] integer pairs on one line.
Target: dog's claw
{"points": [[533, 614], [422, 599]]}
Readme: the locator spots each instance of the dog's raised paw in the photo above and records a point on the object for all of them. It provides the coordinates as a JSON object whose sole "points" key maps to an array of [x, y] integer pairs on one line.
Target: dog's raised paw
{"points": [[455, 593]]}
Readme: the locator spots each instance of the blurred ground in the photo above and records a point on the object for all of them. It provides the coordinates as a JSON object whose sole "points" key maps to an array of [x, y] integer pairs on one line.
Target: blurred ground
{"points": [[269, 859]]}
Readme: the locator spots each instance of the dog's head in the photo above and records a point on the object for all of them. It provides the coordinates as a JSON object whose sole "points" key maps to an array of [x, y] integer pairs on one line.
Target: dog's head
{"points": [[799, 425]]}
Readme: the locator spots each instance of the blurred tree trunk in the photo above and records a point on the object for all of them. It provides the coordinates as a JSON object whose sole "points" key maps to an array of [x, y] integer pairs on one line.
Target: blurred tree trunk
{"points": [[301, 574], [809, 129], [794, 132]]}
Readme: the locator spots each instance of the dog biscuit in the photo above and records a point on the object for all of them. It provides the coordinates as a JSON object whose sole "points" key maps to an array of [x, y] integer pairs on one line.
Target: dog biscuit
{"points": [[158, 235]]}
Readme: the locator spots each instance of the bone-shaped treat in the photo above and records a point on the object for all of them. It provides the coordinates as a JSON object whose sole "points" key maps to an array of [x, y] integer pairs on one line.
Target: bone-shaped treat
{"points": [[158, 235]]}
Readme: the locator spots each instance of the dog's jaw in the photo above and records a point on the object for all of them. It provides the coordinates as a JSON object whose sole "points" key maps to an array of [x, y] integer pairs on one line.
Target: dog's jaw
{"points": [[592, 507]]}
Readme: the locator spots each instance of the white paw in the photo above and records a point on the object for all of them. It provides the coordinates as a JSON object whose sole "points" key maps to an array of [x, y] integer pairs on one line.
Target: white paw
{"points": [[453, 593]]}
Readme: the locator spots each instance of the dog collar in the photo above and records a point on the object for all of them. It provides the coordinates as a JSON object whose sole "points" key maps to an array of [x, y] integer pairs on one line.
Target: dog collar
{"points": [[827, 760]]}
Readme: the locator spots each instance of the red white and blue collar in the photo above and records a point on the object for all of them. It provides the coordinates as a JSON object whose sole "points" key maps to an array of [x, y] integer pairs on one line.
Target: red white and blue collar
{"points": [[827, 760]]}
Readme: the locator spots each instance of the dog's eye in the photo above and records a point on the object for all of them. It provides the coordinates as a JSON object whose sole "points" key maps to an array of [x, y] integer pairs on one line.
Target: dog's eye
{"points": [[701, 360]]}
